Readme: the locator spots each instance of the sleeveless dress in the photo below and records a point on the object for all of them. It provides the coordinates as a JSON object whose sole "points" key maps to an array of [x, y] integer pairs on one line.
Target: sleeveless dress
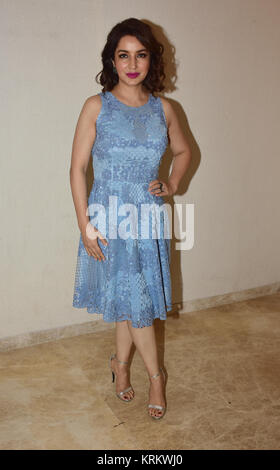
{"points": [[133, 283]]}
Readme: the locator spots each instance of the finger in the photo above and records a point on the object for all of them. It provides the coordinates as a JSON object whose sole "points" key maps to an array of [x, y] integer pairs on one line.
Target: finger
{"points": [[98, 249], [97, 257], [103, 240], [153, 182], [155, 188], [158, 190], [98, 252], [88, 252], [161, 193], [158, 184], [92, 253]]}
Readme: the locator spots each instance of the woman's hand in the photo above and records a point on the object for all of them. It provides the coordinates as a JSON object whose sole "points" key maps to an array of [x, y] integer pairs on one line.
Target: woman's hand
{"points": [[160, 188], [90, 234]]}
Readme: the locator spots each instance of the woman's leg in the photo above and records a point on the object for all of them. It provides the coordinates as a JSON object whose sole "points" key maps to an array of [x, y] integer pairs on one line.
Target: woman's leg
{"points": [[145, 342], [123, 341], [123, 348]]}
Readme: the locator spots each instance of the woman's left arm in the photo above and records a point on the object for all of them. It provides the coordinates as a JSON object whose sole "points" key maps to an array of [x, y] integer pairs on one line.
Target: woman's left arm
{"points": [[181, 153]]}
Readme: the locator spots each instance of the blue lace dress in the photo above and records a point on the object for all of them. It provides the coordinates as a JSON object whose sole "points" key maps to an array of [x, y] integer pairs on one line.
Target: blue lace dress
{"points": [[133, 283]]}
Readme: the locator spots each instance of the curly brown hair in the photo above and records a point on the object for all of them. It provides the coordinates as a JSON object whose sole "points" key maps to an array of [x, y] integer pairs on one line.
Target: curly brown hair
{"points": [[153, 82]]}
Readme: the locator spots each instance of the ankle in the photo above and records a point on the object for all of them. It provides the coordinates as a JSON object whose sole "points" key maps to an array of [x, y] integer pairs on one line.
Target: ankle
{"points": [[155, 376], [121, 361], [120, 366]]}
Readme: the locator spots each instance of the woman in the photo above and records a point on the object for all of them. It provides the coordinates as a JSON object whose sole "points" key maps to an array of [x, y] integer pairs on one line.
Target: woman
{"points": [[125, 128]]}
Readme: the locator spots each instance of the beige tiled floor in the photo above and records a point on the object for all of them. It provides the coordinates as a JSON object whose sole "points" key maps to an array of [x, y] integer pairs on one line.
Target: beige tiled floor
{"points": [[223, 387]]}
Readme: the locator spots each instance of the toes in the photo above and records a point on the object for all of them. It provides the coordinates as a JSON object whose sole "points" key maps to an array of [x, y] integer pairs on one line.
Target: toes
{"points": [[129, 396], [155, 412]]}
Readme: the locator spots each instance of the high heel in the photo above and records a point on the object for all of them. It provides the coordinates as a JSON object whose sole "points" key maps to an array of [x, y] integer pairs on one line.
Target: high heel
{"points": [[120, 394], [158, 407]]}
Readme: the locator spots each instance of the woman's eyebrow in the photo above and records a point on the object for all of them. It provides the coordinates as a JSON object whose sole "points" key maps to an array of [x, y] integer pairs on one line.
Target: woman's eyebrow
{"points": [[123, 50]]}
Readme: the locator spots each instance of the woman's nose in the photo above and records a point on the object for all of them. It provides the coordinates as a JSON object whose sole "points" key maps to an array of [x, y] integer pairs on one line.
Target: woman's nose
{"points": [[132, 63]]}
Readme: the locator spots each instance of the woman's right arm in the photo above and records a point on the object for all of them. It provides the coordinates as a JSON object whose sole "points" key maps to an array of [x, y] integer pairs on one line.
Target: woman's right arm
{"points": [[83, 141]]}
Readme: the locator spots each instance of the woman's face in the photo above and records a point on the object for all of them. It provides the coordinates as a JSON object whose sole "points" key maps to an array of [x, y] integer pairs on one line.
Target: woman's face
{"points": [[131, 57]]}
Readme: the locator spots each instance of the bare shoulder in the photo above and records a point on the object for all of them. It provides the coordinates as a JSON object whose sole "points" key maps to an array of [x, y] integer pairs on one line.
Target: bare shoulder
{"points": [[168, 110], [92, 106]]}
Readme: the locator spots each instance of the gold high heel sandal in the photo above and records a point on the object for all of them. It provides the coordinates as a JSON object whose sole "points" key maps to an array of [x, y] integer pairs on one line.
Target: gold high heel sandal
{"points": [[158, 407], [120, 394]]}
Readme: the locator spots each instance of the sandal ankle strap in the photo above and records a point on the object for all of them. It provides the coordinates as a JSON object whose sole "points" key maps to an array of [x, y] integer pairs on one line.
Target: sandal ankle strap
{"points": [[156, 375]]}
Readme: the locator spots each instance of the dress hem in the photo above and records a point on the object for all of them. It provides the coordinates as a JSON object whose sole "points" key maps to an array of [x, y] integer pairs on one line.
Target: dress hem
{"points": [[134, 325]]}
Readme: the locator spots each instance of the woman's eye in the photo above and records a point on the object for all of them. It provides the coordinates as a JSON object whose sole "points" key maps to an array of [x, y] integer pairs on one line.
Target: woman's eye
{"points": [[142, 55]]}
